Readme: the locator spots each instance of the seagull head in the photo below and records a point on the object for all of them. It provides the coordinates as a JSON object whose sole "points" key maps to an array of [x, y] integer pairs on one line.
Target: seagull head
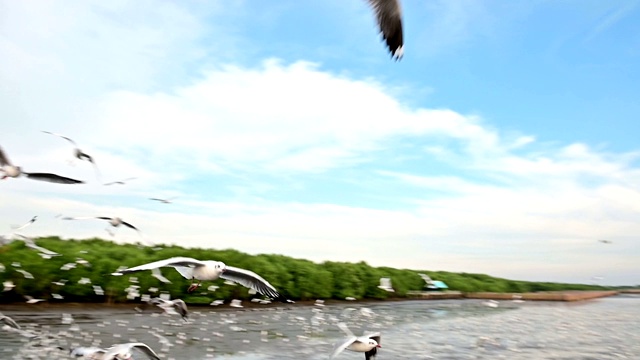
{"points": [[374, 343], [221, 266]]}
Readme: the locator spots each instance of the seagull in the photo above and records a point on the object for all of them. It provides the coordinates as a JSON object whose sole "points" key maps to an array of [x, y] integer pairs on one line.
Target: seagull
{"points": [[209, 270], [77, 152], [116, 352], [367, 343], [31, 300], [9, 170], [164, 201], [9, 321], [385, 284], [33, 219], [31, 244], [119, 182], [605, 241], [113, 221], [389, 18], [176, 306]]}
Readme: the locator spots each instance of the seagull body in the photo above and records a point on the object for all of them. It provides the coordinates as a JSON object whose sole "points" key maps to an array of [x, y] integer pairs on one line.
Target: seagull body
{"points": [[389, 18], [171, 307], [209, 270], [9, 170], [367, 343], [116, 352]]}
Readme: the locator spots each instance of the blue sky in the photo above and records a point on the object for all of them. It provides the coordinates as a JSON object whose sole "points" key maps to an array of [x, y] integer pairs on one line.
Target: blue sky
{"points": [[504, 142]]}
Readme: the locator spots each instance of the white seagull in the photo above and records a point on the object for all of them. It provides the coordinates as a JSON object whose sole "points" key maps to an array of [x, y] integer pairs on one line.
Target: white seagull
{"points": [[77, 152], [385, 284], [116, 352], [171, 307], [389, 19], [9, 170], [209, 270], [113, 221], [367, 343], [31, 244]]}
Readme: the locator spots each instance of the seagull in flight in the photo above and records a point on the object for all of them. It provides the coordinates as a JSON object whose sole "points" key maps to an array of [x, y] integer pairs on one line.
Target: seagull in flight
{"points": [[209, 270], [9, 321], [119, 182], [7, 169], [176, 306], [113, 221], [164, 201], [77, 152], [115, 352], [389, 18], [367, 343], [605, 241], [385, 284]]}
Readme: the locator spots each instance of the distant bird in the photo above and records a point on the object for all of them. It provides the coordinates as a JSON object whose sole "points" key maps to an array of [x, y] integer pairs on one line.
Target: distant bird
{"points": [[77, 152], [175, 306], [389, 18], [9, 170], [113, 221], [385, 284], [116, 352], [209, 270], [367, 343], [164, 201], [31, 300], [33, 219], [119, 182], [605, 241]]}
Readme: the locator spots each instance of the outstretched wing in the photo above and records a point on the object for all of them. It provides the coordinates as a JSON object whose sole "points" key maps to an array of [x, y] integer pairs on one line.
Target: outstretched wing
{"points": [[4, 160], [253, 281], [146, 349], [342, 345], [345, 329], [130, 226], [64, 137], [389, 18], [113, 351], [9, 321], [33, 219], [52, 178], [184, 266]]}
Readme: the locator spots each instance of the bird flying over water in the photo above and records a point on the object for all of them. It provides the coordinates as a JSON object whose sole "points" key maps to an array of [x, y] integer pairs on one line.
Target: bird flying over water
{"points": [[367, 343], [209, 270], [7, 169], [389, 18], [175, 306], [115, 352]]}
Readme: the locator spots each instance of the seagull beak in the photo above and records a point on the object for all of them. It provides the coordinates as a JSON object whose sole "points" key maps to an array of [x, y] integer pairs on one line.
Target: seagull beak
{"points": [[378, 346]]}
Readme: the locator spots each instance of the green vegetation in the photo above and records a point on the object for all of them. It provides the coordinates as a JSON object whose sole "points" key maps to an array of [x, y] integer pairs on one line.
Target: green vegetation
{"points": [[297, 279]]}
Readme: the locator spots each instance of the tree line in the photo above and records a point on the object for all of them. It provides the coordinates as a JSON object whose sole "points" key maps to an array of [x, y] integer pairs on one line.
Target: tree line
{"points": [[297, 279]]}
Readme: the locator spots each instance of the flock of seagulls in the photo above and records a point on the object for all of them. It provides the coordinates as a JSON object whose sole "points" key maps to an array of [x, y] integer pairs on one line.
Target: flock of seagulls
{"points": [[389, 19]]}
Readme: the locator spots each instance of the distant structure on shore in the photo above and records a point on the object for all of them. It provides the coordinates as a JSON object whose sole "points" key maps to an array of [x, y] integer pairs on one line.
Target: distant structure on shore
{"points": [[433, 285]]}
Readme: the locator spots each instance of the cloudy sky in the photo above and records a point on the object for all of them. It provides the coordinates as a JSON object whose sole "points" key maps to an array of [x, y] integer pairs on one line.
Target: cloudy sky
{"points": [[504, 142]]}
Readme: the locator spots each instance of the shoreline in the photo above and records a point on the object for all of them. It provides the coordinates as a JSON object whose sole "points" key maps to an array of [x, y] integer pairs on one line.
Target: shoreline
{"points": [[572, 295]]}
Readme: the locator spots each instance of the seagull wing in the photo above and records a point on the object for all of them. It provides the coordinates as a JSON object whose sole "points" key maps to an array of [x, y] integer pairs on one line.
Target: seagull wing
{"points": [[145, 349], [184, 266], [64, 137], [33, 219], [253, 281], [389, 17], [83, 218], [156, 273], [129, 226], [343, 345], [9, 321], [181, 308], [31, 244], [4, 160], [52, 178], [345, 329]]}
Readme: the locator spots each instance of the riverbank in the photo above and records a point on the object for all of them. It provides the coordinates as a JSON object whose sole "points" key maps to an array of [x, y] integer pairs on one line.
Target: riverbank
{"points": [[533, 296]]}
